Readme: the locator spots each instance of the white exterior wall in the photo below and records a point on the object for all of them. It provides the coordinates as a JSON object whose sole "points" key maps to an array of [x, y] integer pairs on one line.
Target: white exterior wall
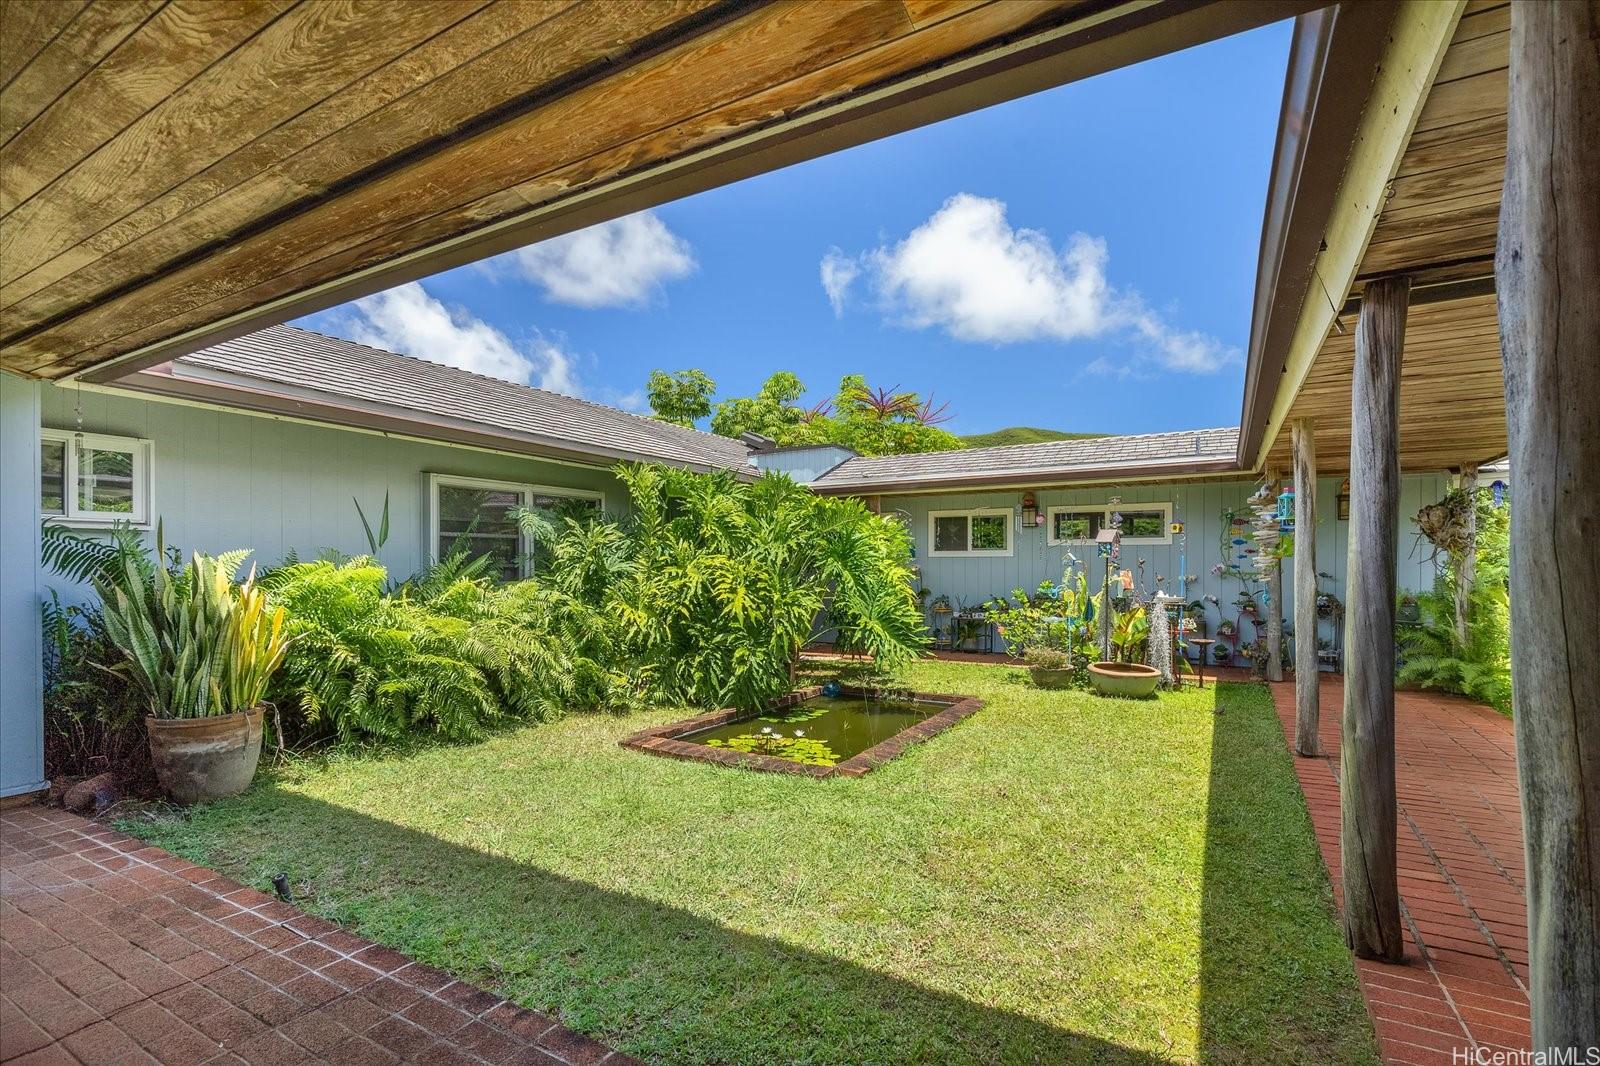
{"points": [[21, 651]]}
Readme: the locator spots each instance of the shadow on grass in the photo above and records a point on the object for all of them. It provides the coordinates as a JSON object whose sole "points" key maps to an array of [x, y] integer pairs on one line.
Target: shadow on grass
{"points": [[1274, 972], [660, 982]]}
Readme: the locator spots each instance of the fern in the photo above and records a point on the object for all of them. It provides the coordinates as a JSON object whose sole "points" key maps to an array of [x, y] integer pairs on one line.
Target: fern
{"points": [[1432, 655]]}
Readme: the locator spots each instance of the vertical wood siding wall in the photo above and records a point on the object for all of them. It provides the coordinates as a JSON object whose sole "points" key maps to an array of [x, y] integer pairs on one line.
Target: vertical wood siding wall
{"points": [[222, 480], [1198, 505], [21, 673]]}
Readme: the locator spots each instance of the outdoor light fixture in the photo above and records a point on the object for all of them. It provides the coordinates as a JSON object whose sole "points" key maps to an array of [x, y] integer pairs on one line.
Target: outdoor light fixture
{"points": [[1344, 500], [1031, 515], [1286, 511]]}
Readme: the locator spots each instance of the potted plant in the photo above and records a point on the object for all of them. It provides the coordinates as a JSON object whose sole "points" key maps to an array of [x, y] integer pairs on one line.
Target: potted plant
{"points": [[1220, 654], [941, 604], [203, 652], [1049, 667]]}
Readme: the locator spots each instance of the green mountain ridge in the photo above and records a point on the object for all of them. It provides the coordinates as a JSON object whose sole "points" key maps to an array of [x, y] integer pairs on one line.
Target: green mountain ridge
{"points": [[1023, 435]]}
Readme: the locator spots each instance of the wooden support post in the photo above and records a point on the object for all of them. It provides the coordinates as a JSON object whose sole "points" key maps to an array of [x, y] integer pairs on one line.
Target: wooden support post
{"points": [[1307, 711], [1366, 755], [1546, 266], [1467, 563], [1274, 619]]}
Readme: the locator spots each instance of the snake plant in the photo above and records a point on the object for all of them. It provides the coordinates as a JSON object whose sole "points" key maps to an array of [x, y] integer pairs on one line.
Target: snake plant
{"points": [[195, 644]]}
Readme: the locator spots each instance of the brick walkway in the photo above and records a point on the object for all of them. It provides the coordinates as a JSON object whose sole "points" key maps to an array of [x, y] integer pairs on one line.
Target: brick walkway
{"points": [[116, 952], [1464, 981]]}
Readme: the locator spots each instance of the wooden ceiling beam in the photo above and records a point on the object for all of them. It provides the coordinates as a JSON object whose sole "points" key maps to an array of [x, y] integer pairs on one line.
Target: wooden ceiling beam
{"points": [[746, 102]]}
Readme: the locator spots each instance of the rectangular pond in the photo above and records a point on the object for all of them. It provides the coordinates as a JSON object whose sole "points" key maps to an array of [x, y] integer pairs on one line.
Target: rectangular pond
{"points": [[846, 732]]}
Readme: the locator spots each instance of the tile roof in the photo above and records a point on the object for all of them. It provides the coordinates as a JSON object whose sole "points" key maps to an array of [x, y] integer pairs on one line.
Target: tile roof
{"points": [[1064, 460], [304, 360]]}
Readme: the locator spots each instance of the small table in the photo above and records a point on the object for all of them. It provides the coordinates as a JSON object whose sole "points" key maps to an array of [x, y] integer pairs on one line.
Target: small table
{"points": [[1200, 670]]}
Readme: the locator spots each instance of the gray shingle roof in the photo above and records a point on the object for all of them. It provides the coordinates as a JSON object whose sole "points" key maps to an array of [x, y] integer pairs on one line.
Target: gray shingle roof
{"points": [[1065, 460], [305, 360]]}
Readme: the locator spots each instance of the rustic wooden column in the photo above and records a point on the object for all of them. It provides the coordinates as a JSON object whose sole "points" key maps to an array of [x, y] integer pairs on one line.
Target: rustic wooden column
{"points": [[1467, 564], [1366, 755], [1546, 269], [1274, 619], [1307, 712]]}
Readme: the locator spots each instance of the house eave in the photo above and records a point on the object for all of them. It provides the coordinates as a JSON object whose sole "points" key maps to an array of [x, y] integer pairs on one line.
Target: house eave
{"points": [[1332, 65], [1220, 467]]}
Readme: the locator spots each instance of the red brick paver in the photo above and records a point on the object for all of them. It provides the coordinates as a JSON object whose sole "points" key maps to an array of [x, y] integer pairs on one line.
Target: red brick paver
{"points": [[112, 951], [1463, 984]]}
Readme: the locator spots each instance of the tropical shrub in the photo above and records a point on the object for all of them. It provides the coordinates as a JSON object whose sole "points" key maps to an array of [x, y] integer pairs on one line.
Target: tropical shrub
{"points": [[442, 653], [719, 583], [1431, 652], [93, 717]]}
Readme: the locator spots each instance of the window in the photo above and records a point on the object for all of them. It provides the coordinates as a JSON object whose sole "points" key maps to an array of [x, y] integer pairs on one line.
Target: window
{"points": [[982, 532], [90, 478], [1070, 525], [1146, 523], [478, 516], [1149, 523]]}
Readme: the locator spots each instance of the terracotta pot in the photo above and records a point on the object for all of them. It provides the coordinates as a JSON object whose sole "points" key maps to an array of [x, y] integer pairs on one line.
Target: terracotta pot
{"points": [[1047, 677], [200, 759], [1124, 679]]}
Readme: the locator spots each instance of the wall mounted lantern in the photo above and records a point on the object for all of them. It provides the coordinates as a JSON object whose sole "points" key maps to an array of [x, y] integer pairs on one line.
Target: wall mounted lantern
{"points": [[1344, 500], [1031, 515]]}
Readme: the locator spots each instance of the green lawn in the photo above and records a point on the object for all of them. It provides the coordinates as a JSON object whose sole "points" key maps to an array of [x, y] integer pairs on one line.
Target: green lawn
{"points": [[1059, 878]]}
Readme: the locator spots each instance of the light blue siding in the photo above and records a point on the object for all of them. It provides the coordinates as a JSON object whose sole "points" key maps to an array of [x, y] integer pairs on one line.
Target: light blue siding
{"points": [[21, 654], [804, 465], [223, 480], [1199, 505]]}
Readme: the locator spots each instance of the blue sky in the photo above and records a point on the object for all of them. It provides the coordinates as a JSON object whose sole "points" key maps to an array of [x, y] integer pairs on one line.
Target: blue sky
{"points": [[1082, 259]]}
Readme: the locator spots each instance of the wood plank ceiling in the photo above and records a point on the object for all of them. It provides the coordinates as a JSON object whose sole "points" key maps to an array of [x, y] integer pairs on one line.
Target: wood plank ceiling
{"points": [[173, 167], [1438, 226]]}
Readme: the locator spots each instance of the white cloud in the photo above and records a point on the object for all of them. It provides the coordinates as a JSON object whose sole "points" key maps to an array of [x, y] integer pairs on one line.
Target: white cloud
{"points": [[633, 400], [969, 272], [410, 321], [621, 263], [839, 272]]}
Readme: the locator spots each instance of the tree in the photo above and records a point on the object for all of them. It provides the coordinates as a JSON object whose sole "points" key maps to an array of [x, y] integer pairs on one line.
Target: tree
{"points": [[871, 421], [682, 398], [771, 412]]}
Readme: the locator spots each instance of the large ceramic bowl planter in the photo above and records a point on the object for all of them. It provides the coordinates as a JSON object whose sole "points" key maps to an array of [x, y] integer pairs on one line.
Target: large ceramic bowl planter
{"points": [[1047, 677], [201, 759], [1124, 679]]}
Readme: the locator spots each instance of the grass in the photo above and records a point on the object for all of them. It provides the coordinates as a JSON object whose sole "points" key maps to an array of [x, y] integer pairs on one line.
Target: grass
{"points": [[1060, 878], [1023, 435]]}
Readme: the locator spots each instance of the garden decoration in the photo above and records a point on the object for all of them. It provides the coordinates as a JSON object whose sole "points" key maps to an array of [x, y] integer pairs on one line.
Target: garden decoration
{"points": [[1107, 542], [1159, 650], [1286, 511]]}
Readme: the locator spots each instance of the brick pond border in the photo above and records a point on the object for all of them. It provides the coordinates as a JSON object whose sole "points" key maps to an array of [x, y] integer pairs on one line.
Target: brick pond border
{"points": [[663, 739]]}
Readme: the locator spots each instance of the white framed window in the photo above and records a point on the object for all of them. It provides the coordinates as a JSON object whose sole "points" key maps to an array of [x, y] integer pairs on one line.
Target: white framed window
{"points": [[88, 479], [477, 515], [976, 533], [1144, 523], [1073, 525]]}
